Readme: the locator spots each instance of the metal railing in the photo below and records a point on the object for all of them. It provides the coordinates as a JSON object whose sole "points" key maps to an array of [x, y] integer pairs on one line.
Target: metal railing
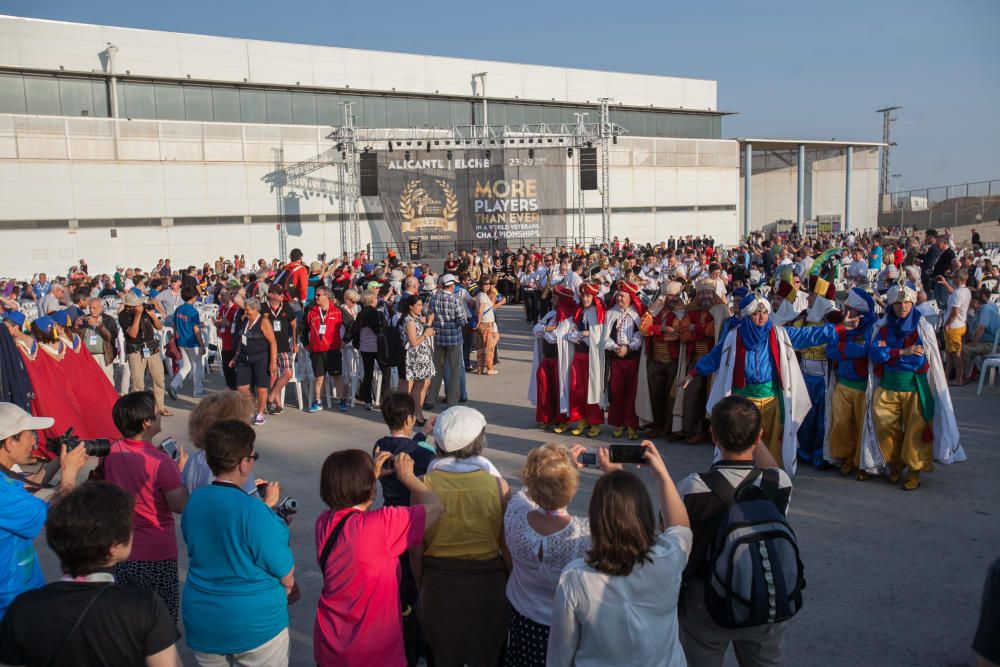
{"points": [[944, 206], [440, 249]]}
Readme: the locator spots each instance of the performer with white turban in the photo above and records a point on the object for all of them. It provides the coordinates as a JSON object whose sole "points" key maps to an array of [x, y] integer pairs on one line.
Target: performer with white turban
{"points": [[846, 406], [550, 362], [911, 420], [622, 346], [757, 360]]}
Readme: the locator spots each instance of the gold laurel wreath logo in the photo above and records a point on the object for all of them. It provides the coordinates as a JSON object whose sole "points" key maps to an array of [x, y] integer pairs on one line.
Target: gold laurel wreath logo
{"points": [[450, 201], [406, 200]]}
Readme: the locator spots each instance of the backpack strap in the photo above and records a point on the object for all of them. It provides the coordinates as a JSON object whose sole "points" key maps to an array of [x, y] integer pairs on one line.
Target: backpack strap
{"points": [[770, 482], [725, 491], [330, 541]]}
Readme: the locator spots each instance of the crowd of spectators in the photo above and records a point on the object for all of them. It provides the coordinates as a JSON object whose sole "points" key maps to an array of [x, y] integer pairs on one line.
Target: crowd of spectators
{"points": [[451, 566]]}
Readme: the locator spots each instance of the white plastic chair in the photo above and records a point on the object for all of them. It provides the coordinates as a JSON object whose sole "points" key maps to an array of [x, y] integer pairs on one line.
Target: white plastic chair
{"points": [[294, 381], [164, 337], [30, 311], [988, 363]]}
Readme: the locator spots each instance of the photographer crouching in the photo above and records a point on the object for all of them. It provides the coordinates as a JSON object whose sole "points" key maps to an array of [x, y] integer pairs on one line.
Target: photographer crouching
{"points": [[88, 619], [241, 573], [22, 513]]}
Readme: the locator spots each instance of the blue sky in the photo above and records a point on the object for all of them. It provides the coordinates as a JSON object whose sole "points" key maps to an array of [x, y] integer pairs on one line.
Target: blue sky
{"points": [[801, 69]]}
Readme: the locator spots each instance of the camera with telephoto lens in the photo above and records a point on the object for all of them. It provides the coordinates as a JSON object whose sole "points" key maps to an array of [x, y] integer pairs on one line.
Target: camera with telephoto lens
{"points": [[285, 507], [95, 447]]}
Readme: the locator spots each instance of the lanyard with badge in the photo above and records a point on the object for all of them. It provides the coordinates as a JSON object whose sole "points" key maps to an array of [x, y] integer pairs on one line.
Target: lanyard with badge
{"points": [[275, 319], [322, 321], [225, 318], [246, 329]]}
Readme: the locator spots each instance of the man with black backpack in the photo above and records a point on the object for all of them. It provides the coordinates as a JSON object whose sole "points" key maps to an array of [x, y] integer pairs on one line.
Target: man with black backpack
{"points": [[744, 576]]}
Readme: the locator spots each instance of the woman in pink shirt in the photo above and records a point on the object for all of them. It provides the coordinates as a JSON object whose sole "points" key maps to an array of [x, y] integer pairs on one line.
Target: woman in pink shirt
{"points": [[138, 466], [358, 619]]}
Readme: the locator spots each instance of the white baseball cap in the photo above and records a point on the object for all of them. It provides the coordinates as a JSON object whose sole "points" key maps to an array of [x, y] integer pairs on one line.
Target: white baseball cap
{"points": [[448, 279], [14, 420], [457, 427]]}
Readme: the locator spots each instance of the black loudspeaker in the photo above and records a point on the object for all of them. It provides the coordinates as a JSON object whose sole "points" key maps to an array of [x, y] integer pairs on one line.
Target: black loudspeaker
{"points": [[588, 168], [369, 174]]}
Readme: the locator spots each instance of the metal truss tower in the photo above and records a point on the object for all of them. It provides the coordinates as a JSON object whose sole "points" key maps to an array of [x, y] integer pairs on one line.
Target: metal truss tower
{"points": [[581, 206], [278, 185], [607, 135]]}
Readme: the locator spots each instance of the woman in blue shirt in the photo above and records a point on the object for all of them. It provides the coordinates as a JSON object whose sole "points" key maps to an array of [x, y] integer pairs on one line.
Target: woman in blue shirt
{"points": [[241, 574]]}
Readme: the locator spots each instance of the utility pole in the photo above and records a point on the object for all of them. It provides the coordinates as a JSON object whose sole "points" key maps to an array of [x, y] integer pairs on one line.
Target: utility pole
{"points": [[883, 183]]}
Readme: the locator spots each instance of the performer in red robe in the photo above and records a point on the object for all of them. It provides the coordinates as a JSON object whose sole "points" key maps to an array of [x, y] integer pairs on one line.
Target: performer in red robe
{"points": [[546, 393], [73, 390], [586, 376]]}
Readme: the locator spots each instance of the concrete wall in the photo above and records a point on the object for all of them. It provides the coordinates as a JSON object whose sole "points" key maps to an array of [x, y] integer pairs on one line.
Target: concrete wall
{"points": [[75, 47], [63, 172]]}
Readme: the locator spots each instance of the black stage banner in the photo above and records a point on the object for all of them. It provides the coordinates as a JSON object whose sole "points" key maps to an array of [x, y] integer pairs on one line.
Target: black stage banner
{"points": [[504, 197]]}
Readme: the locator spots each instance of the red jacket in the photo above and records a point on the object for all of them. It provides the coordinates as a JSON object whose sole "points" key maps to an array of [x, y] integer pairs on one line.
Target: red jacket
{"points": [[329, 340]]}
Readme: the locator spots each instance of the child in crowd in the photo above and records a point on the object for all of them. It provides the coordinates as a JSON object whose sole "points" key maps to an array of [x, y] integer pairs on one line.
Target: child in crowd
{"points": [[399, 412]]}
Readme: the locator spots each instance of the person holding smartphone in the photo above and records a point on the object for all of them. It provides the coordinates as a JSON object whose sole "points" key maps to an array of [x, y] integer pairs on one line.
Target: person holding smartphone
{"points": [[543, 538], [618, 605], [141, 347]]}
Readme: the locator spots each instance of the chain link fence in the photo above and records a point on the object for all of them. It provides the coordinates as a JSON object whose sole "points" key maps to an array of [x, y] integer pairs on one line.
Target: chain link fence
{"points": [[945, 206]]}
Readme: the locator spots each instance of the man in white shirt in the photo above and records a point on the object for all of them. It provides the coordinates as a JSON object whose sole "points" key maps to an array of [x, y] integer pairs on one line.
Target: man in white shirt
{"points": [[574, 277], [954, 326], [53, 300], [858, 270], [170, 299]]}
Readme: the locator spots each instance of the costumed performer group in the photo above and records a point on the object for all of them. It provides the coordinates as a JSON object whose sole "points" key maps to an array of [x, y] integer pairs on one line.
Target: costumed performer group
{"points": [[835, 387]]}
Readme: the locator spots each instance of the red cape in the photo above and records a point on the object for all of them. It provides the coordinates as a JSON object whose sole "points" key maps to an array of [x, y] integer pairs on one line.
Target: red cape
{"points": [[73, 391]]}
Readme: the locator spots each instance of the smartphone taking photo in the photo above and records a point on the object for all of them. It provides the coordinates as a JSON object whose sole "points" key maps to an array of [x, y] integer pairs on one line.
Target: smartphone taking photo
{"points": [[627, 453], [169, 447]]}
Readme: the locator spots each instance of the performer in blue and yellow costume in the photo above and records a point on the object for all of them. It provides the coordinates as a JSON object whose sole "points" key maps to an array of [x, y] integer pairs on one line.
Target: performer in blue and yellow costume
{"points": [[846, 406], [757, 360], [815, 370], [912, 416]]}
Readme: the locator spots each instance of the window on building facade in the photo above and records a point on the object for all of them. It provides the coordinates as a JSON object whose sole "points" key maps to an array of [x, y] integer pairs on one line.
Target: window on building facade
{"points": [[75, 96], [12, 93]]}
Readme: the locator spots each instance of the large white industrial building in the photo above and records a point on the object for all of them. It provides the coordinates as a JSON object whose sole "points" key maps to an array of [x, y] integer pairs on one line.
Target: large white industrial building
{"points": [[160, 145]]}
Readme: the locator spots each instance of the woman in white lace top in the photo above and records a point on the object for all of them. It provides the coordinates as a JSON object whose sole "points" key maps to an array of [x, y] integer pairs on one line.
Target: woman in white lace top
{"points": [[542, 538]]}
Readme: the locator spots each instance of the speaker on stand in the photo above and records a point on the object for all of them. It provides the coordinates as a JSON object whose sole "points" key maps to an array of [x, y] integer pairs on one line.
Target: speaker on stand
{"points": [[369, 174], [588, 168]]}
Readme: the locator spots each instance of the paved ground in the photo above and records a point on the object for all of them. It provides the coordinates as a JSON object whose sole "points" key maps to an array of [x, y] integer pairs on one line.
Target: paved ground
{"points": [[893, 578]]}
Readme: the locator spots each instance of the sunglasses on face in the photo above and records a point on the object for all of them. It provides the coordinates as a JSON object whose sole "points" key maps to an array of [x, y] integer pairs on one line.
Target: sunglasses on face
{"points": [[254, 456]]}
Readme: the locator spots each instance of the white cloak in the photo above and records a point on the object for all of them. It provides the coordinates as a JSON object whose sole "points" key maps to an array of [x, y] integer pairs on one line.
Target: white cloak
{"points": [[947, 445], [643, 407], [793, 389]]}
